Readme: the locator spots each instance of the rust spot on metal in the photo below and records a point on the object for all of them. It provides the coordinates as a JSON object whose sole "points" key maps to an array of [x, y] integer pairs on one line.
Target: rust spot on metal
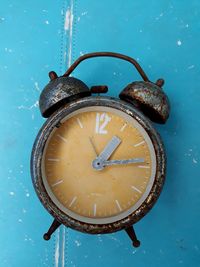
{"points": [[149, 98], [160, 82], [99, 89], [53, 75], [59, 91]]}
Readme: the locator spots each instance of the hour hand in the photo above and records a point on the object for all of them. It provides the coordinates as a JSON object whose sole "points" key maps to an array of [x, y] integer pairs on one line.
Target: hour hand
{"points": [[106, 153], [122, 162], [110, 148]]}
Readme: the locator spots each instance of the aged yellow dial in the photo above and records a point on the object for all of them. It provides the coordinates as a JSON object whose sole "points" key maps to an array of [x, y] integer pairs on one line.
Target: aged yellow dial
{"points": [[99, 165]]}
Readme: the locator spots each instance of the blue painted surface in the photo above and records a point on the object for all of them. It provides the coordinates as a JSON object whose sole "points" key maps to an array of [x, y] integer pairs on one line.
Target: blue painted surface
{"points": [[164, 37]]}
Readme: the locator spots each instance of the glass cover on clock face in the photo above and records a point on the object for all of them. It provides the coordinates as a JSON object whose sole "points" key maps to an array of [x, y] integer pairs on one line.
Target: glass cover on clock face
{"points": [[99, 165]]}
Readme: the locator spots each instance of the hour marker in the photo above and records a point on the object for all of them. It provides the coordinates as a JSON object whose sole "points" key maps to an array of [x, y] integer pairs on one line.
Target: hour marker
{"points": [[62, 138], [118, 205], [96, 194], [136, 189], [79, 122], [144, 166], [95, 209], [57, 183], [123, 127], [72, 202], [139, 144], [53, 159], [101, 122]]}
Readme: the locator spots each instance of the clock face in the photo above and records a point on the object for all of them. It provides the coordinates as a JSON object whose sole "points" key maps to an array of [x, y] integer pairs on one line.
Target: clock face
{"points": [[98, 165]]}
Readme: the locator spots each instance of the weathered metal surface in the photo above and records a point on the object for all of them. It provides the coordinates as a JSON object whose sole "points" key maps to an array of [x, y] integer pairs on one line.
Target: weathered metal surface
{"points": [[131, 233], [99, 89], [60, 90], [55, 224], [36, 164], [148, 97]]}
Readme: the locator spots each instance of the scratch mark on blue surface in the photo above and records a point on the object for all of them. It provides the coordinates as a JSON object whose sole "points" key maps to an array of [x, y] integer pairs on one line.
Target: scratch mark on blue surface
{"points": [[9, 50], [68, 26], [84, 13], [37, 86], [67, 20], [194, 161], [179, 43], [78, 243], [190, 67], [35, 105], [56, 255], [2, 20], [63, 247]]}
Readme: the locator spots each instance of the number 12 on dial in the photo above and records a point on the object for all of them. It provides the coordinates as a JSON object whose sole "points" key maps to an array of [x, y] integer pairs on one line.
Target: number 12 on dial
{"points": [[102, 119]]}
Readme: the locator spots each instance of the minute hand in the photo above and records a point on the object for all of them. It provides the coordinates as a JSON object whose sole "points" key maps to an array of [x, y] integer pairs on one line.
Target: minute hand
{"points": [[123, 161]]}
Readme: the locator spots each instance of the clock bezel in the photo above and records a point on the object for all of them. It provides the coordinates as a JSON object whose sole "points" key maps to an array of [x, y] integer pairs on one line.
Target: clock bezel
{"points": [[36, 165]]}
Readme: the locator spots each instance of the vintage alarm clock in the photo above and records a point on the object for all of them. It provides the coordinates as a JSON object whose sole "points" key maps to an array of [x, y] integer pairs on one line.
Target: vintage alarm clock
{"points": [[98, 165]]}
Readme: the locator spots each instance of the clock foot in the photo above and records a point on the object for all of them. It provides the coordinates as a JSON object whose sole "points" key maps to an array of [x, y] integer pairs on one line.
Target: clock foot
{"points": [[51, 230], [131, 233]]}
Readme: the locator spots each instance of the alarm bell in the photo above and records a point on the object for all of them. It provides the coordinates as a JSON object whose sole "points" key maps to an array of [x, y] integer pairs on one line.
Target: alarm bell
{"points": [[149, 98], [145, 95], [60, 90]]}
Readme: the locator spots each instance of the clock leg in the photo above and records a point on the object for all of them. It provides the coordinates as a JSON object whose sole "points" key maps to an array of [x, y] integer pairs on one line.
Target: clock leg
{"points": [[131, 233], [51, 230]]}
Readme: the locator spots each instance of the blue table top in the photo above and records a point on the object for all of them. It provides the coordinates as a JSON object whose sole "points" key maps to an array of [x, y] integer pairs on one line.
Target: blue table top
{"points": [[40, 36]]}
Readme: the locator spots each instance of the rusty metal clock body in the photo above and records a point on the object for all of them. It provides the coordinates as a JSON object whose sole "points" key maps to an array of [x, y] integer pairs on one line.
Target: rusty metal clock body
{"points": [[77, 167]]}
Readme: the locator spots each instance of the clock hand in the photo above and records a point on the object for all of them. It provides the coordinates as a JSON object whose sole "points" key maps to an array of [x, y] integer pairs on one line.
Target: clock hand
{"points": [[106, 153], [94, 149], [110, 148], [123, 161]]}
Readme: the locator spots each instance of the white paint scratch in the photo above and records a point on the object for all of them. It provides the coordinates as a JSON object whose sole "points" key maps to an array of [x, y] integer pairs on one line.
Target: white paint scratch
{"points": [[36, 86], [35, 105], [9, 50], [160, 16], [194, 161], [78, 243], [56, 255], [67, 20], [191, 67], [68, 26], [63, 247], [84, 13], [179, 43]]}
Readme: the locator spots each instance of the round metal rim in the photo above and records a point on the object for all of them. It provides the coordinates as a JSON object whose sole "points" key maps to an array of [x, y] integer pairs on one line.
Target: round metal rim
{"points": [[36, 161]]}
